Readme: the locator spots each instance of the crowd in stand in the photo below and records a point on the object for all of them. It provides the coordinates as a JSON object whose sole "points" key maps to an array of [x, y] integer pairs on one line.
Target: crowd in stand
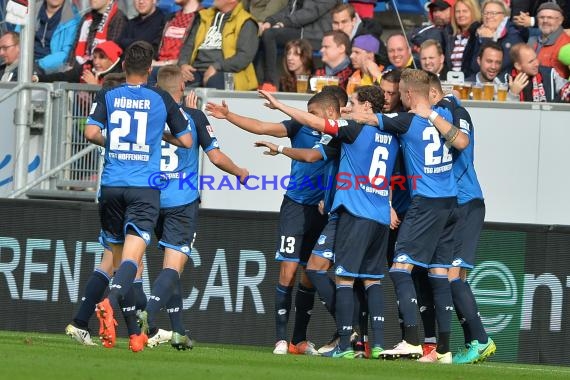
{"points": [[268, 44]]}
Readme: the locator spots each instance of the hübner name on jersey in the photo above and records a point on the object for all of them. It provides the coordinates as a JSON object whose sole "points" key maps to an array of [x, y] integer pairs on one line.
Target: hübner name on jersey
{"points": [[129, 156], [382, 139], [138, 104], [439, 169]]}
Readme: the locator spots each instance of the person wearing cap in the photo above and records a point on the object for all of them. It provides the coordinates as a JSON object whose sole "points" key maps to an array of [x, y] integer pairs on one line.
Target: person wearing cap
{"points": [[552, 37], [106, 58], [439, 13], [364, 50], [432, 58], [524, 12]]}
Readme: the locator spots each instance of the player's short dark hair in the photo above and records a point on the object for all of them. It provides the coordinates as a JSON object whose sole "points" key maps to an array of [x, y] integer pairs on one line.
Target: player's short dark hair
{"points": [[325, 99], [392, 76], [434, 82], [339, 92], [372, 94], [490, 45], [113, 79], [138, 58]]}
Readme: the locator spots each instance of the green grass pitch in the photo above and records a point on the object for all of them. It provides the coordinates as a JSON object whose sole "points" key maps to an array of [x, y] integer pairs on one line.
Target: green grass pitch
{"points": [[47, 356]]}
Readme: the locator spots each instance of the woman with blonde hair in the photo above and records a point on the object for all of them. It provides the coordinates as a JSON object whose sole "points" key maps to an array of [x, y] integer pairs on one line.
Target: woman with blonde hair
{"points": [[460, 51]]}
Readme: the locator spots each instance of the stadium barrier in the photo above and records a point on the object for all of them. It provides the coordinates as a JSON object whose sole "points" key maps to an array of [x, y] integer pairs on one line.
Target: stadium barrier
{"points": [[48, 250]]}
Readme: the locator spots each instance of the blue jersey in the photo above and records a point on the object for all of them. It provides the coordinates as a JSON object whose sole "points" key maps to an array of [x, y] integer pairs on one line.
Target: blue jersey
{"points": [[330, 150], [429, 163], [401, 195], [366, 163], [132, 119], [307, 182], [468, 187], [181, 164]]}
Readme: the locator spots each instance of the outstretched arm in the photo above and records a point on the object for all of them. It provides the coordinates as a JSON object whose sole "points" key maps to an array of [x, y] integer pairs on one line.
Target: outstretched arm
{"points": [[223, 162], [258, 127], [303, 117], [297, 154]]}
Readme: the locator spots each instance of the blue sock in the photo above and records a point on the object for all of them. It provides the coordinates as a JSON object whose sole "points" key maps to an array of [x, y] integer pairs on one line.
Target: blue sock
{"points": [[174, 308], [122, 282], [141, 299], [344, 314], [376, 310], [325, 288], [129, 310], [407, 303], [283, 295], [360, 312], [94, 291], [162, 289], [443, 309], [304, 301], [467, 307], [425, 302]]}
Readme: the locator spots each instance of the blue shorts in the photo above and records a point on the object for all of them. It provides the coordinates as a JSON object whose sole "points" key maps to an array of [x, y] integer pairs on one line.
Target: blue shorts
{"points": [[176, 227], [426, 235], [360, 251], [127, 209], [470, 219], [325, 244], [299, 229]]}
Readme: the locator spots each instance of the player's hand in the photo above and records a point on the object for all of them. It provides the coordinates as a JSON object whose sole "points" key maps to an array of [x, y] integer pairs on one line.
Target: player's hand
{"points": [[517, 84], [272, 148], [218, 111], [191, 100], [272, 102], [321, 207], [243, 175], [422, 110], [523, 19], [210, 72], [187, 72], [394, 220]]}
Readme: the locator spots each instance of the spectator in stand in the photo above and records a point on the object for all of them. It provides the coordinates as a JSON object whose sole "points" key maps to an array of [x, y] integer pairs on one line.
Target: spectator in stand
{"points": [[298, 60], [524, 12], [364, 8], [56, 26], [346, 19], [530, 81], [552, 37], [490, 62], [10, 53], [223, 41], [105, 22], [460, 51], [335, 53], [262, 9], [432, 59], [300, 19], [146, 26], [439, 13], [399, 52], [106, 60], [564, 55], [496, 27], [363, 57]]}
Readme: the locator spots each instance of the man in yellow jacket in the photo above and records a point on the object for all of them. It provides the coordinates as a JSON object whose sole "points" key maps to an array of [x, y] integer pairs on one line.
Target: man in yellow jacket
{"points": [[224, 40]]}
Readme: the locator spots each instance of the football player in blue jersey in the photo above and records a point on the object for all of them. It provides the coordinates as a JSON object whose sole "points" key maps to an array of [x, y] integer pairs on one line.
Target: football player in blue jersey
{"points": [[300, 224], [133, 118], [179, 200], [470, 217], [362, 203], [426, 233]]}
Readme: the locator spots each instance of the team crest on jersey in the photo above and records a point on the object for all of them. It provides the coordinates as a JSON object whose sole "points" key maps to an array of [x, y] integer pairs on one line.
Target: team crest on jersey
{"points": [[325, 139], [322, 239]]}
